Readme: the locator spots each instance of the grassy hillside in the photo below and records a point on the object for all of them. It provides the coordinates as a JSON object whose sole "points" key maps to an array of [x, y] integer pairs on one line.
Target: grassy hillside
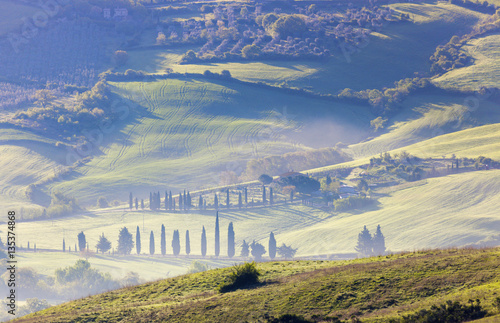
{"points": [[430, 116], [373, 289], [187, 133], [394, 52], [484, 72]]}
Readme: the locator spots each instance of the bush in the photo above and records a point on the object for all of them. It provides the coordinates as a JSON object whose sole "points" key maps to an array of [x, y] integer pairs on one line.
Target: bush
{"points": [[242, 276], [102, 202], [197, 267], [449, 312]]}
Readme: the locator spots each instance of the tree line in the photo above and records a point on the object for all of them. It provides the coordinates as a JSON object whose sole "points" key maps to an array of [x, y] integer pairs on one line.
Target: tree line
{"points": [[126, 243]]}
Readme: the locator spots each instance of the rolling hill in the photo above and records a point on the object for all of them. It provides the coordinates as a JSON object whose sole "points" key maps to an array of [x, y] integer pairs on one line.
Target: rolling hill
{"points": [[371, 289]]}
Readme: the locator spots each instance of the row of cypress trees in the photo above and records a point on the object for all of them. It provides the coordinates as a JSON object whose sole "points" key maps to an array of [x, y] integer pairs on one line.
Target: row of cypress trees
{"points": [[185, 200]]}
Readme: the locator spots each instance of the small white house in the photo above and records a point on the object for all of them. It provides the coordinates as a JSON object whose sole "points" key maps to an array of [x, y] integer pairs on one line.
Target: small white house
{"points": [[120, 13], [106, 13]]}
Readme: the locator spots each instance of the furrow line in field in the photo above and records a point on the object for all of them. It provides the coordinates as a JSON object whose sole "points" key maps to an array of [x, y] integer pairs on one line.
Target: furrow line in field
{"points": [[123, 148]]}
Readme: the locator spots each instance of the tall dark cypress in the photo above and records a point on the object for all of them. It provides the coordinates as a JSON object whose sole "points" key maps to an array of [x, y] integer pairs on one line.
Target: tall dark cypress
{"points": [[200, 203], [227, 199], [158, 201], [291, 195], [217, 237], [170, 200], [163, 242], [150, 200], [184, 201], [188, 243], [272, 246], [271, 200], [239, 201], [166, 200], [138, 241], [176, 243], [130, 201], [152, 243], [180, 201], [64, 246], [230, 240], [216, 202], [188, 201], [246, 196], [264, 200], [203, 242], [136, 203]]}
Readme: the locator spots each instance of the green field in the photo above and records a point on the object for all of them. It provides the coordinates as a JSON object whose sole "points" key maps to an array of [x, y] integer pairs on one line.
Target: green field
{"points": [[373, 290], [395, 52], [185, 134], [484, 72]]}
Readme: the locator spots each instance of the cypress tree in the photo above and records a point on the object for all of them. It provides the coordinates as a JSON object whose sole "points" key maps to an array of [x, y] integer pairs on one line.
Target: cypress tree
{"points": [[138, 241], [163, 241], [378, 242], [184, 201], [188, 201], [230, 240], [170, 200], [180, 201], [216, 202], [263, 195], [142, 204], [272, 246], [166, 200], [188, 243], [136, 204], [150, 200], [200, 203], [158, 201], [176, 243], [246, 196], [82, 242], [227, 199], [76, 248], [271, 201], [203, 242], [291, 195], [239, 201], [152, 243], [217, 238], [364, 245], [130, 201], [64, 246]]}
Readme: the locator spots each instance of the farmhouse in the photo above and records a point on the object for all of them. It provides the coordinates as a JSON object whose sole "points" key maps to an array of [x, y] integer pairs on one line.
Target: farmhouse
{"points": [[346, 191]]}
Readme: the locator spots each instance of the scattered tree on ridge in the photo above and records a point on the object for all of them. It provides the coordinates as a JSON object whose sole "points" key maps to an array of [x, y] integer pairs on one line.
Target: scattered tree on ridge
{"points": [[125, 242], [138, 241], [364, 245], [82, 242], [272, 246], [188, 243], [103, 244], [378, 242], [203, 242], [176, 243], [217, 236], [230, 240], [286, 251], [257, 250], [245, 251], [152, 243], [163, 241]]}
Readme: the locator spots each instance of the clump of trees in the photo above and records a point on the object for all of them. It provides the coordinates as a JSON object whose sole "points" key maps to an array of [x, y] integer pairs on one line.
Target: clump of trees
{"points": [[368, 245], [447, 312]]}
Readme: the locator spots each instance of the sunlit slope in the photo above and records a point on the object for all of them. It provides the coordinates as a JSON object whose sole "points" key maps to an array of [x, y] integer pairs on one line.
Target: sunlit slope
{"points": [[428, 116], [184, 133], [475, 142], [484, 72], [448, 211], [455, 210], [394, 52], [371, 289]]}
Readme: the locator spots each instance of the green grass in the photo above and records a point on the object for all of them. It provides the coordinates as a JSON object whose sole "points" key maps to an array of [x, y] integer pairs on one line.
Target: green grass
{"points": [[372, 289], [185, 134], [12, 13], [484, 72]]}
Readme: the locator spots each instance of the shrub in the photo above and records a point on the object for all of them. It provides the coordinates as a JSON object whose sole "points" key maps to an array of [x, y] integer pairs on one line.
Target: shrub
{"points": [[197, 267], [102, 202], [446, 313], [242, 276]]}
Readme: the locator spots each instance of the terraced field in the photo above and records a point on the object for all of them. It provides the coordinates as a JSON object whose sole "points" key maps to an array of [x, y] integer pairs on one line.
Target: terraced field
{"points": [[186, 133]]}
